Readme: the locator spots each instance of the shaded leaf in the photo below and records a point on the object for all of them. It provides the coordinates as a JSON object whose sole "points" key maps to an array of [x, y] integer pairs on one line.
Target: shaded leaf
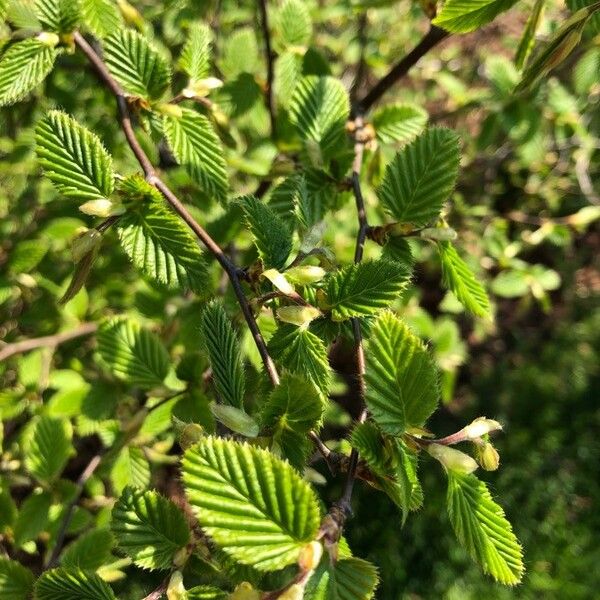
{"points": [[349, 578], [16, 582], [72, 584], [399, 122], [48, 446]]}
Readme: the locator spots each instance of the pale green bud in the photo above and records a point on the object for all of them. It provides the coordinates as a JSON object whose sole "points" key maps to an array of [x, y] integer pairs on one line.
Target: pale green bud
{"points": [[298, 315], [279, 281], [102, 207], [245, 591], [235, 419], [305, 275], [442, 234], [310, 556], [294, 592], [171, 110], [452, 459], [480, 427], [48, 39], [487, 456], [202, 87], [176, 589]]}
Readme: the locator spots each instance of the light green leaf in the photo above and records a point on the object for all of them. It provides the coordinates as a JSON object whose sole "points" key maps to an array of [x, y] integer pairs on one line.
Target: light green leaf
{"points": [[137, 65], [462, 16], [272, 237], [32, 518], [421, 177], [196, 54], [399, 123], [288, 70], [27, 255], [23, 67], [149, 528], [482, 528], [16, 582], [458, 277], [587, 71], [401, 379], [363, 289], [47, 447], [61, 16], [197, 147], [89, 551], [240, 53], [294, 24], [130, 468], [302, 352], [348, 579], [292, 409], [133, 353], [158, 243], [101, 17], [319, 110], [73, 158], [528, 38], [72, 584], [224, 354], [253, 505]]}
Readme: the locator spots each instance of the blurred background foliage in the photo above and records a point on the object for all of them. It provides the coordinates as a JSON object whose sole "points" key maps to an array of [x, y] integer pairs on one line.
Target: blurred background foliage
{"points": [[527, 213]]}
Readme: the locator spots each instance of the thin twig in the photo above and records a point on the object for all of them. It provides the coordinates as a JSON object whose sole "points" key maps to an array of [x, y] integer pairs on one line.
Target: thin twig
{"points": [[269, 59], [362, 64], [159, 592], [62, 532], [433, 37], [47, 341]]}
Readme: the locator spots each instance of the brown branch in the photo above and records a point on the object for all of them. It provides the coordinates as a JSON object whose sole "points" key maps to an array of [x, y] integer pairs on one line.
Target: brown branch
{"points": [[264, 24], [48, 341], [176, 204], [159, 592], [433, 37]]}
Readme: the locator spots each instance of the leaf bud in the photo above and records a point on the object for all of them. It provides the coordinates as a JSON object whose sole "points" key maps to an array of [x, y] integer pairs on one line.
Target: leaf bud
{"points": [[235, 419], [187, 433], [305, 275], [131, 15], [310, 556], [487, 456], [176, 590], [171, 110], [294, 592], [245, 591], [441, 234], [102, 207], [279, 281], [202, 87], [48, 39], [298, 315], [480, 427], [452, 459], [84, 243]]}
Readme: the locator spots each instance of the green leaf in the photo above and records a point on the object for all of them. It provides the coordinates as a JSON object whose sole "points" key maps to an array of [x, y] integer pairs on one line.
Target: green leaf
{"points": [[363, 289], [587, 71], [294, 24], [133, 353], [73, 158], [253, 505], [528, 38], [130, 468], [72, 584], [197, 147], [482, 528], [347, 579], [458, 277], [292, 409], [271, 236], [196, 54], [89, 551], [27, 255], [136, 65], [149, 528], [224, 354], [160, 244], [32, 518], [392, 465], [47, 447], [16, 582], [61, 16], [288, 70], [101, 17], [401, 379], [302, 352], [462, 16], [319, 110], [399, 123], [421, 177], [240, 53], [23, 67]]}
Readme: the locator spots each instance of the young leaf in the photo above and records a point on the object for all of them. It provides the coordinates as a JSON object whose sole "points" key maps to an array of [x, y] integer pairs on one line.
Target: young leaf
{"points": [[319, 110], [240, 54], [32, 518], [23, 67], [224, 353], [458, 277], [253, 505], [196, 54], [16, 582], [133, 353], [462, 16], [401, 379], [60, 16], [349, 578], [302, 352], [136, 65], [293, 408], [528, 38], [90, 551], [149, 528], [421, 177], [72, 584], [130, 468], [73, 158], [101, 17], [197, 147], [399, 123], [159, 244], [294, 24], [482, 528], [48, 446], [363, 289], [272, 238]]}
